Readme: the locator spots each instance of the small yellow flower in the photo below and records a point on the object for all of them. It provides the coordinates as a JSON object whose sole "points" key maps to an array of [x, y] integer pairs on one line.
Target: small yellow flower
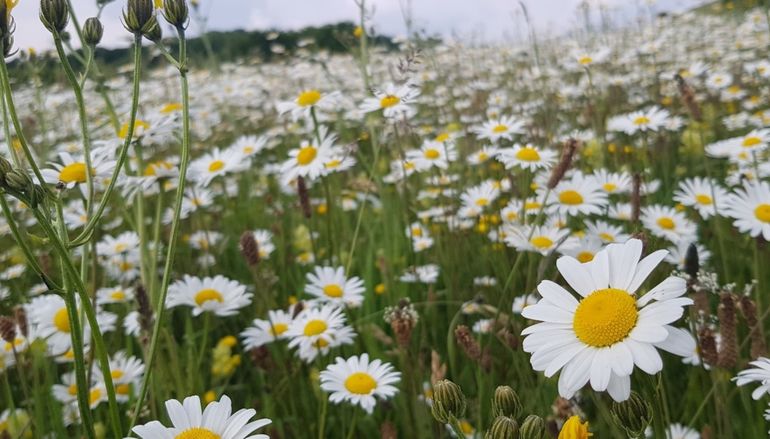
{"points": [[575, 429], [209, 396], [380, 289], [358, 32]]}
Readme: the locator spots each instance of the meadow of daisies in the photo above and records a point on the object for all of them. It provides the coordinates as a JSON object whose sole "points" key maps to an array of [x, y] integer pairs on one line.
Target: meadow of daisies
{"points": [[559, 238]]}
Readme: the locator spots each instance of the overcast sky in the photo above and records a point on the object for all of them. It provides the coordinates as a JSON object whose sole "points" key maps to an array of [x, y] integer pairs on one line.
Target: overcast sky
{"points": [[486, 20]]}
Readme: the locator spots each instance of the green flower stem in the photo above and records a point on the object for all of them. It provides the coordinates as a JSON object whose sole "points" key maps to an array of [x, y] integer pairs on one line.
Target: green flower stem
{"points": [[71, 273], [171, 251], [123, 154], [22, 242]]}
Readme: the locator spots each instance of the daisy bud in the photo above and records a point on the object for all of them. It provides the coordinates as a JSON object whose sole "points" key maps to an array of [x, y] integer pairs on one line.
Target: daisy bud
{"points": [[93, 31], [20, 315], [532, 428], [749, 311], [137, 14], [250, 248], [54, 14], [506, 402], [567, 155], [5, 167], [448, 401], [632, 415], [152, 30], [728, 349], [691, 263], [18, 180], [7, 329], [503, 427], [176, 12]]}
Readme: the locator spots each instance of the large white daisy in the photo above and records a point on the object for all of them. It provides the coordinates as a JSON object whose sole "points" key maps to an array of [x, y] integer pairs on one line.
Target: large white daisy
{"points": [[359, 381]]}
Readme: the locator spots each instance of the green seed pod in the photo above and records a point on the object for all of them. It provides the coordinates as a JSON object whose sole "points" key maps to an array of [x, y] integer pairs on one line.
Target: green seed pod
{"points": [[503, 427], [176, 12], [152, 30], [448, 401], [137, 14], [506, 402], [17, 180], [93, 31], [54, 14], [532, 428], [632, 415]]}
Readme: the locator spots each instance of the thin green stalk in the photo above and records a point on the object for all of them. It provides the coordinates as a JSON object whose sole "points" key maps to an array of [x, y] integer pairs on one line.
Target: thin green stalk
{"points": [[171, 251]]}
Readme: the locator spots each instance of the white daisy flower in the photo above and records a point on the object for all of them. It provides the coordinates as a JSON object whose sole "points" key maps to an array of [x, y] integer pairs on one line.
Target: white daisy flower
{"points": [[650, 119], [220, 295], [600, 338], [330, 285], [309, 160], [665, 222], [316, 330], [216, 421], [214, 164], [262, 332], [703, 194], [580, 194], [306, 100], [502, 128], [526, 157], [359, 381], [750, 207], [394, 101], [540, 239]]}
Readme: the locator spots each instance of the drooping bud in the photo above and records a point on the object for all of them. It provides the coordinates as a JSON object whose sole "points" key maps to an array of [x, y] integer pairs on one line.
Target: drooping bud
{"points": [[448, 401], [54, 14], [532, 428], [632, 415], [93, 31], [506, 402], [137, 14], [176, 12], [503, 427]]}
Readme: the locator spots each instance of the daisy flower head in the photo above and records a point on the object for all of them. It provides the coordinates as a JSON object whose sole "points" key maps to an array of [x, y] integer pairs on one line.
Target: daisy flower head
{"points": [[114, 295], [316, 330], [650, 119], [678, 431], [666, 222], [306, 100], [432, 154], [214, 164], [394, 100], [248, 146], [262, 332], [583, 248], [220, 295], [330, 285], [586, 59], [426, 274], [480, 196], [483, 155], [702, 194], [600, 336], [51, 318], [760, 373], [127, 372], [72, 171], [523, 301], [216, 421], [504, 127], [613, 182], [580, 194], [360, 381], [750, 208], [606, 232], [526, 157], [539, 239], [309, 160]]}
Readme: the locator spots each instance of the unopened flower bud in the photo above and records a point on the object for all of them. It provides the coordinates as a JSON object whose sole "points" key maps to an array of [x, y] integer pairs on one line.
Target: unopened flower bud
{"points": [[506, 402], [632, 415], [503, 427], [17, 180], [152, 30], [448, 401], [532, 428], [93, 31], [176, 12], [54, 14], [137, 14]]}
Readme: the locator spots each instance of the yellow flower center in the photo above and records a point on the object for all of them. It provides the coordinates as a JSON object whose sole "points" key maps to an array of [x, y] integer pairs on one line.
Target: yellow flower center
{"points": [[152, 168], [541, 242], [585, 60], [750, 141], [528, 154], [117, 374], [73, 173], [443, 137], [333, 290], [762, 212], [605, 317], [570, 197], [500, 128], [703, 199], [279, 328], [197, 433], [118, 295], [306, 155], [62, 320], [585, 257], [207, 295], [606, 237], [360, 383], [641, 120], [531, 205], [122, 389], [610, 187], [308, 98], [432, 154], [72, 389], [666, 223], [93, 396], [331, 164], [481, 202], [216, 165], [139, 124], [171, 108], [389, 101], [315, 327]]}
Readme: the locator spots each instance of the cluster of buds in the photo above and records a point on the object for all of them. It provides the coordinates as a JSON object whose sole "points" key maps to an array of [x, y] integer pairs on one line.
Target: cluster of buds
{"points": [[17, 182]]}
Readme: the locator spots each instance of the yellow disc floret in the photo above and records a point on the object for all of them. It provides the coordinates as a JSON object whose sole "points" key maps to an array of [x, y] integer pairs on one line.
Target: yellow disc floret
{"points": [[605, 317]]}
